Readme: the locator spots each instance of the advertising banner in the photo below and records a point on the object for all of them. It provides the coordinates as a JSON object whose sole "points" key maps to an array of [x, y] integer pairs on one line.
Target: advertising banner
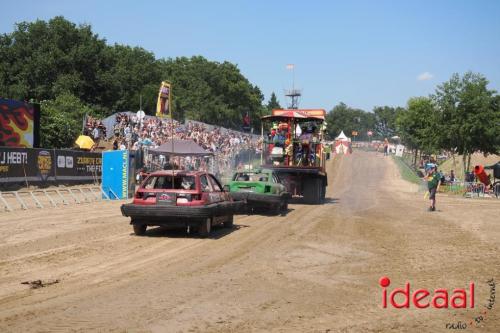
{"points": [[18, 124], [164, 104], [115, 174], [31, 166]]}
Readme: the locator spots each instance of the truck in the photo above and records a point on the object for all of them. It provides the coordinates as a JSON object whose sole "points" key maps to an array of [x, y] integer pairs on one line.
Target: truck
{"points": [[293, 147]]}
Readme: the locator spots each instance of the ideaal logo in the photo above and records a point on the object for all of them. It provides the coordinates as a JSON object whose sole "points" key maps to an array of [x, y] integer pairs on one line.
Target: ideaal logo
{"points": [[441, 298], [423, 298]]}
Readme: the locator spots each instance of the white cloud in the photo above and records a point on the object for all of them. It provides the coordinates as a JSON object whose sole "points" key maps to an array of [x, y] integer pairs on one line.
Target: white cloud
{"points": [[425, 76]]}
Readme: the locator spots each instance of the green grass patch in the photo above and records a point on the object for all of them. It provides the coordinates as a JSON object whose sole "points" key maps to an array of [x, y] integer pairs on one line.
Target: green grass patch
{"points": [[406, 172]]}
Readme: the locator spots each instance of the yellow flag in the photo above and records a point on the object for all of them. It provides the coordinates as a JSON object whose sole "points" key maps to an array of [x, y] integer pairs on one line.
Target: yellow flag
{"points": [[164, 105]]}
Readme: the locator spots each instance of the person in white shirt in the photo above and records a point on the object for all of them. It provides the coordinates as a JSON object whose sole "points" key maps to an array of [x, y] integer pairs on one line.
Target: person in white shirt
{"points": [[95, 133]]}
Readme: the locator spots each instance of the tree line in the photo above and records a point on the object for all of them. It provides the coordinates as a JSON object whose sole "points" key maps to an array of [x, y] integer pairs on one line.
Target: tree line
{"points": [[72, 71], [381, 122], [462, 117]]}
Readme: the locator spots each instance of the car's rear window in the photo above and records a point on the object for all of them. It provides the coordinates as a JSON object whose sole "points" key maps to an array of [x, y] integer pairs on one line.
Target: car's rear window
{"points": [[251, 176], [165, 182]]}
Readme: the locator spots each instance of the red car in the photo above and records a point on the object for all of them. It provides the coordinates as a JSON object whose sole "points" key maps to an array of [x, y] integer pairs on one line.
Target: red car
{"points": [[193, 199]]}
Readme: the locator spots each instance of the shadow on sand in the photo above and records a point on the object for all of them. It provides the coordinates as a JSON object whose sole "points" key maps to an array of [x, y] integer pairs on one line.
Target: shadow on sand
{"points": [[217, 232], [301, 201]]}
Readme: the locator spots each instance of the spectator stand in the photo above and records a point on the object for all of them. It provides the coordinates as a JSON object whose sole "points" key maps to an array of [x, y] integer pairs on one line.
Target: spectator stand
{"points": [[179, 155], [229, 147]]}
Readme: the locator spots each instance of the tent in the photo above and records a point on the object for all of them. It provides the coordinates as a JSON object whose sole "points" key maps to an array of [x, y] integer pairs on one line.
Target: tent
{"points": [[342, 137], [297, 114], [342, 144], [181, 148]]}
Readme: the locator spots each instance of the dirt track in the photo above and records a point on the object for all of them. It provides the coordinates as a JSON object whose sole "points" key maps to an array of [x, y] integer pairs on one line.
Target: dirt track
{"points": [[315, 270]]}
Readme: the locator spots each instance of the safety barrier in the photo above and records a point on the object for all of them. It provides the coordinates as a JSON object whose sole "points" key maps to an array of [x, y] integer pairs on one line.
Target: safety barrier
{"points": [[52, 197], [496, 189], [474, 189], [471, 189]]}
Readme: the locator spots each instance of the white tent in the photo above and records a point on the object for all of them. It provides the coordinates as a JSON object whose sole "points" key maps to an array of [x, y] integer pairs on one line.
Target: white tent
{"points": [[342, 137], [342, 144]]}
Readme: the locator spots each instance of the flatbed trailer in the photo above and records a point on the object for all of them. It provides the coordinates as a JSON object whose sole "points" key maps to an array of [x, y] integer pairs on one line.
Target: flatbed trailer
{"points": [[306, 183]]}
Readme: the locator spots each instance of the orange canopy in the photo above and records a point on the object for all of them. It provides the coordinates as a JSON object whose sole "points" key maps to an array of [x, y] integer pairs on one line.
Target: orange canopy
{"points": [[300, 113]]}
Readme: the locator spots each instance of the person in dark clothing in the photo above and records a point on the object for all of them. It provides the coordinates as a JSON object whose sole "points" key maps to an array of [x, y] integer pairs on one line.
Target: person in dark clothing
{"points": [[433, 182], [452, 176], [443, 178], [167, 166]]}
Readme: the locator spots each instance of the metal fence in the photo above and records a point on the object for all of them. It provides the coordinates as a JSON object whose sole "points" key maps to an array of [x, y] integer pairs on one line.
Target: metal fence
{"points": [[471, 189], [53, 197]]}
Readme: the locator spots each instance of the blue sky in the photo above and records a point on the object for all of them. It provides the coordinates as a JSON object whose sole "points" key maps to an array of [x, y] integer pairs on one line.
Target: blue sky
{"points": [[363, 53]]}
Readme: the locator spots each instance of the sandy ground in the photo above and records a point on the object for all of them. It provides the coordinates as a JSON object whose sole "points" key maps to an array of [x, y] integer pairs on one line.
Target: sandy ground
{"points": [[315, 270]]}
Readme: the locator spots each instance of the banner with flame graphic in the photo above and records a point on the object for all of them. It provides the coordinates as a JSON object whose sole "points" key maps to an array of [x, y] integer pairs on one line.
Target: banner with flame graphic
{"points": [[17, 123]]}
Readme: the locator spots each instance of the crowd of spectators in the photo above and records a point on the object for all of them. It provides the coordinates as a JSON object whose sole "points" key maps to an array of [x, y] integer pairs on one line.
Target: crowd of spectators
{"points": [[131, 133], [94, 128]]}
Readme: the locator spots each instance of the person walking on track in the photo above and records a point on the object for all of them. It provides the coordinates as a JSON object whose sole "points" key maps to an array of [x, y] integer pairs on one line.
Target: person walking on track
{"points": [[433, 182]]}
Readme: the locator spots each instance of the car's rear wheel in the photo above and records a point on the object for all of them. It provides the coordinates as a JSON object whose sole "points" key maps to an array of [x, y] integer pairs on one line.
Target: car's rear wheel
{"points": [[229, 222], [313, 191], [276, 208], [140, 229], [205, 227]]}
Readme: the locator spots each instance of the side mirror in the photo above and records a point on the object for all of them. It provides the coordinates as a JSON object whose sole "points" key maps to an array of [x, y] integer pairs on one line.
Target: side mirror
{"points": [[226, 188]]}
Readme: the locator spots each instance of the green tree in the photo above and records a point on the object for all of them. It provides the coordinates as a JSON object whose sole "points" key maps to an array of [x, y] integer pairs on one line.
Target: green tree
{"points": [[417, 125], [495, 121], [467, 115], [62, 120], [273, 103], [40, 60], [212, 92], [385, 123], [347, 119], [132, 72], [46, 61]]}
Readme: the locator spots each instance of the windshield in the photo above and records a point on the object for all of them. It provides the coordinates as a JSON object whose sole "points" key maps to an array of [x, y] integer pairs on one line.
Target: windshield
{"points": [[251, 177], [181, 182]]}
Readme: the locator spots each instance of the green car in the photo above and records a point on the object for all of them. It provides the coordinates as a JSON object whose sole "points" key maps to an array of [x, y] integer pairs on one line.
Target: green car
{"points": [[260, 188]]}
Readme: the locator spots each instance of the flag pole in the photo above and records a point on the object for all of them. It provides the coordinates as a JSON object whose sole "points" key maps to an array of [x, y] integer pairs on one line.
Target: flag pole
{"points": [[171, 129]]}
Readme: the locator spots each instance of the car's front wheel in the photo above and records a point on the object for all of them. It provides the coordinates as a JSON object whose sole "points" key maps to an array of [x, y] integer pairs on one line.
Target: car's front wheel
{"points": [[205, 227], [284, 208], [140, 229]]}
